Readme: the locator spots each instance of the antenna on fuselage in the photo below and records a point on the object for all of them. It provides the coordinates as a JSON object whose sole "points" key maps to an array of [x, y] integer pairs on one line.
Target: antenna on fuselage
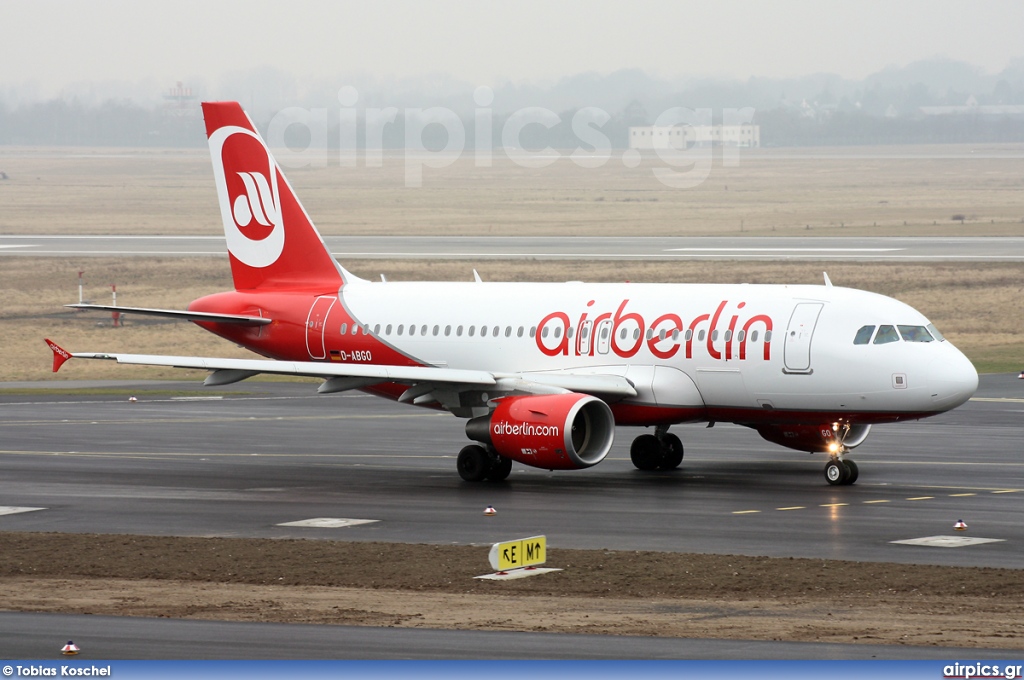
{"points": [[476, 277], [828, 281]]}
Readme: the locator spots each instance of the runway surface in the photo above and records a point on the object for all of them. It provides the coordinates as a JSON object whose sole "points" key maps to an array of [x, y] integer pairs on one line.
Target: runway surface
{"points": [[240, 461], [265, 454], [40, 636], [922, 249]]}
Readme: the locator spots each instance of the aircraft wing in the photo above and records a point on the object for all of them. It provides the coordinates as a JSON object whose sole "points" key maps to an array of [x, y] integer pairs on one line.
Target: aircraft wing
{"points": [[178, 314], [425, 380]]}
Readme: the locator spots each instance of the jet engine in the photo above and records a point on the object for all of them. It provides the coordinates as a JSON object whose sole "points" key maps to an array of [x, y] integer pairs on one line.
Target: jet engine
{"points": [[551, 431], [815, 438]]}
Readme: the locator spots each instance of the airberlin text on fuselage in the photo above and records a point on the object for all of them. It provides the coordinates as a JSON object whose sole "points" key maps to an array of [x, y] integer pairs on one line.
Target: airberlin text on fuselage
{"points": [[726, 335]]}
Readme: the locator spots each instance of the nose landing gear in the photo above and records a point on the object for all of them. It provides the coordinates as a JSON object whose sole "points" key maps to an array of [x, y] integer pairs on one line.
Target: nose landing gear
{"points": [[839, 471]]}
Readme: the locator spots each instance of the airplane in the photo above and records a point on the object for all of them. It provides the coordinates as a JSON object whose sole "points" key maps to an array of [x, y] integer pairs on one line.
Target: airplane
{"points": [[544, 372]]}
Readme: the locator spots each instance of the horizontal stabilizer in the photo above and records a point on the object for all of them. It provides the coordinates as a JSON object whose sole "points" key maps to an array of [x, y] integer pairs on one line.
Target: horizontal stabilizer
{"points": [[178, 314]]}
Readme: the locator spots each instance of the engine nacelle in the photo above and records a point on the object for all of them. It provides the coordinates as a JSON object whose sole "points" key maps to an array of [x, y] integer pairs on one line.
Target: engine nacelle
{"points": [[551, 431], [813, 438]]}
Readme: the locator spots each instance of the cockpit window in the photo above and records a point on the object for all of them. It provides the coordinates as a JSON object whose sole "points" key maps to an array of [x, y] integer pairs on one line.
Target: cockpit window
{"points": [[935, 332], [864, 335], [915, 334], [886, 334]]}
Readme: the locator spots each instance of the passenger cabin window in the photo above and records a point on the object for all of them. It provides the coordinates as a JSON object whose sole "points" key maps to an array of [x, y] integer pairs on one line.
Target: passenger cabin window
{"points": [[864, 335], [886, 334], [344, 328], [915, 334]]}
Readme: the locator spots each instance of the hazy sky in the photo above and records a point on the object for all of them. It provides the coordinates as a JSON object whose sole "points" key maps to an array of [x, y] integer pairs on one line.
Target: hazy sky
{"points": [[56, 43]]}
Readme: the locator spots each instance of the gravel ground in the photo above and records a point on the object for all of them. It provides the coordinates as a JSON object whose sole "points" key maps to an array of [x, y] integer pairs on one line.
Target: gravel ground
{"points": [[432, 586]]}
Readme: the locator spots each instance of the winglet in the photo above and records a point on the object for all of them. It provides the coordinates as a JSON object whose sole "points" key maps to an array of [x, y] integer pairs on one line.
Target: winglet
{"points": [[60, 355]]}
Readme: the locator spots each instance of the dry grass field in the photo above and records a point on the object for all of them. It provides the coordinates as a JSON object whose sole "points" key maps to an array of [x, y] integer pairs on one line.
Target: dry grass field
{"points": [[978, 308], [772, 191], [885, 191]]}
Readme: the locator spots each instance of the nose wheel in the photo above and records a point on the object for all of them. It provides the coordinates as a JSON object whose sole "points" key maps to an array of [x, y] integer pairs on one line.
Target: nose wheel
{"points": [[841, 472]]}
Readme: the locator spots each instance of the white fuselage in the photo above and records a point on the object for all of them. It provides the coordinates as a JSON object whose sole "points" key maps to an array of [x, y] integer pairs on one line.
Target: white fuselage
{"points": [[731, 348]]}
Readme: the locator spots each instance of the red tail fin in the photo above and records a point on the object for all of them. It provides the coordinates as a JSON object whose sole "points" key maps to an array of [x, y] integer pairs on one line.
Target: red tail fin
{"points": [[60, 355], [271, 241]]}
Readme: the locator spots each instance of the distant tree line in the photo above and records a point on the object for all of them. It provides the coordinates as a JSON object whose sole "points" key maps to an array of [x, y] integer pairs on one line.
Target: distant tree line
{"points": [[122, 123], [113, 123], [786, 127]]}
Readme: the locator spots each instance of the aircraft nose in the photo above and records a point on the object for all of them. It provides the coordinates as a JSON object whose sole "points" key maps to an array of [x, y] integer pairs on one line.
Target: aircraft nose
{"points": [[952, 381]]}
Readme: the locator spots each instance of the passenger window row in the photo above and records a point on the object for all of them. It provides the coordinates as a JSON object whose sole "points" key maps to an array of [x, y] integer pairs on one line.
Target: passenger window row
{"points": [[425, 330]]}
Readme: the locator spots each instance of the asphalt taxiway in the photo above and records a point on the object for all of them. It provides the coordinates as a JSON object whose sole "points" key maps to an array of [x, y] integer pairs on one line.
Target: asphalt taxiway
{"points": [[40, 636], [242, 460], [254, 457], [910, 249]]}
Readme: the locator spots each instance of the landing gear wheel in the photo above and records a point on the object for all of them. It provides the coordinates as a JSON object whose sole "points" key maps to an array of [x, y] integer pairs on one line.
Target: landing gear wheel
{"points": [[501, 467], [473, 463], [854, 472], [836, 472], [671, 452], [645, 452]]}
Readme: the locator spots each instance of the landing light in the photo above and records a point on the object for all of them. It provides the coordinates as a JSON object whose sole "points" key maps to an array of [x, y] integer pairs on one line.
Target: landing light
{"points": [[833, 447]]}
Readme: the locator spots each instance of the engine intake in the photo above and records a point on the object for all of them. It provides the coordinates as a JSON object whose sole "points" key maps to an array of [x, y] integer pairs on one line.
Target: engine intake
{"points": [[551, 431]]}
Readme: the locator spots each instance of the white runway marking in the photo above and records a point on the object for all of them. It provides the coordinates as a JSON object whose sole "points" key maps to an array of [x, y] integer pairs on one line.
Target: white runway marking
{"points": [[948, 541], [785, 250], [13, 510], [328, 522]]}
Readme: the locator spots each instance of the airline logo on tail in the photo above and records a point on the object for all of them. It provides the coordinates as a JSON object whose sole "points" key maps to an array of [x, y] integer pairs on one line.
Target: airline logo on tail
{"points": [[249, 197]]}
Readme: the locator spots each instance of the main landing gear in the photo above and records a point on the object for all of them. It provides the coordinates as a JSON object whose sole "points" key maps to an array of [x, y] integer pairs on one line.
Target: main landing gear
{"points": [[475, 464], [841, 471], [658, 451]]}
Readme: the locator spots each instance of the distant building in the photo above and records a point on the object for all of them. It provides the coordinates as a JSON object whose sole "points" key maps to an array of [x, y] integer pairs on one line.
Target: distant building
{"points": [[686, 136]]}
